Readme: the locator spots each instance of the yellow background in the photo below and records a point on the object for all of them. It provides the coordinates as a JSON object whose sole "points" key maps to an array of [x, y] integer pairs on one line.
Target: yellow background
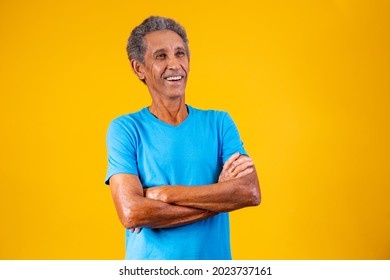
{"points": [[307, 83]]}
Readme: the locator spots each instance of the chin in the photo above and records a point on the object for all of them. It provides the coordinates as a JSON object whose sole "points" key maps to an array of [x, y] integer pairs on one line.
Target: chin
{"points": [[177, 94]]}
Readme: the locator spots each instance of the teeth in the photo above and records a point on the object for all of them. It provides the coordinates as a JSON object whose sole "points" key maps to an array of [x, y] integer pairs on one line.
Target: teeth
{"points": [[175, 78]]}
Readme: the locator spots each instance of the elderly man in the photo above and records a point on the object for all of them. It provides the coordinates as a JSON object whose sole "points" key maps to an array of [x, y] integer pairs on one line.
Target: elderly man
{"points": [[175, 171]]}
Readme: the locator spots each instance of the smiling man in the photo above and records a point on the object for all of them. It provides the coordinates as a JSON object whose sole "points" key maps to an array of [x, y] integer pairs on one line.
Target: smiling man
{"points": [[175, 171]]}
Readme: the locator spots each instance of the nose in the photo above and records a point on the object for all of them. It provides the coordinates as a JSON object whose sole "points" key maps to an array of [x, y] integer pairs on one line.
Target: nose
{"points": [[173, 63]]}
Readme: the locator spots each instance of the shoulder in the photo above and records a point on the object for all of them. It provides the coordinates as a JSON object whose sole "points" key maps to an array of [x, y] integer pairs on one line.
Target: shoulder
{"points": [[211, 114], [216, 118], [127, 120], [126, 126]]}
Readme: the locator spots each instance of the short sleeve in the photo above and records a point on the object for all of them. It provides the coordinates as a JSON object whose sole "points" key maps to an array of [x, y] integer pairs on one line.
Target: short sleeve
{"points": [[121, 150], [231, 141]]}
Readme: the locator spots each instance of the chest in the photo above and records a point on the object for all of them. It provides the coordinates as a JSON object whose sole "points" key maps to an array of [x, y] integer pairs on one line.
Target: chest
{"points": [[189, 156]]}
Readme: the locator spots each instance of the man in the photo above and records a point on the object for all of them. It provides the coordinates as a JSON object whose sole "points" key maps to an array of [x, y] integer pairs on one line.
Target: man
{"points": [[175, 171]]}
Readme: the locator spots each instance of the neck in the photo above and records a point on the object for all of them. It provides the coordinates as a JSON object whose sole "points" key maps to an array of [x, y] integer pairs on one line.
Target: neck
{"points": [[173, 113]]}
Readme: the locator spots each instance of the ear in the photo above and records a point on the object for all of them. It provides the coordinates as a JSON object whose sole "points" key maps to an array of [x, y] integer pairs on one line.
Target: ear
{"points": [[138, 69]]}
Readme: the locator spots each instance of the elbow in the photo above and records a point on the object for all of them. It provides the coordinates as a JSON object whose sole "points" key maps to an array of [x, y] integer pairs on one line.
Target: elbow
{"points": [[254, 193], [255, 197], [130, 218], [250, 196]]}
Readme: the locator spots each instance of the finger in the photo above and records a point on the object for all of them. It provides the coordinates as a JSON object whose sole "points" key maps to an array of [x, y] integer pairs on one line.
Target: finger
{"points": [[229, 162], [242, 167], [245, 172], [131, 230], [138, 230], [152, 193], [241, 159]]}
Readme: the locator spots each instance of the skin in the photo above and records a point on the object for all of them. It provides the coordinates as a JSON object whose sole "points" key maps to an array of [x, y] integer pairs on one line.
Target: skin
{"points": [[168, 206], [230, 193], [165, 57]]}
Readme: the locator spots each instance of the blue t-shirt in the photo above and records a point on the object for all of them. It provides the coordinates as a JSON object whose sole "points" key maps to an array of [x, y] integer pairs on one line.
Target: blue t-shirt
{"points": [[190, 154]]}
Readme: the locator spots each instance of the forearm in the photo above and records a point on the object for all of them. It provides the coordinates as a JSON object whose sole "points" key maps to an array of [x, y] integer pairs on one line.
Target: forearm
{"points": [[136, 211], [220, 197], [144, 212]]}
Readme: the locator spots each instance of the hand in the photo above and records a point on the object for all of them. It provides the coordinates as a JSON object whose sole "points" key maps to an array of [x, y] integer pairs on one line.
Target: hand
{"points": [[235, 167], [152, 193], [136, 230], [155, 193]]}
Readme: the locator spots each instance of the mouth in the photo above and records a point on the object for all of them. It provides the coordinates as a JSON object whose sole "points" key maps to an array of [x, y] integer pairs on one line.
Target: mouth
{"points": [[174, 78]]}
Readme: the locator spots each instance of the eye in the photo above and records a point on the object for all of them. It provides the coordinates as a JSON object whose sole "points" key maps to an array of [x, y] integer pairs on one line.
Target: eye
{"points": [[180, 53], [161, 56]]}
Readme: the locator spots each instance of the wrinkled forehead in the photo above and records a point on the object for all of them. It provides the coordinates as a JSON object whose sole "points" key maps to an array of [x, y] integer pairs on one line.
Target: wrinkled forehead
{"points": [[163, 39]]}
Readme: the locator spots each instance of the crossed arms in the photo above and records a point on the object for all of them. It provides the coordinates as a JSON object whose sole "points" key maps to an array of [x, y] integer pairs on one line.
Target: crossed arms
{"points": [[169, 206]]}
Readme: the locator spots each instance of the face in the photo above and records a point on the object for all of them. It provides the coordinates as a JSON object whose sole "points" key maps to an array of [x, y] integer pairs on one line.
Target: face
{"points": [[166, 65]]}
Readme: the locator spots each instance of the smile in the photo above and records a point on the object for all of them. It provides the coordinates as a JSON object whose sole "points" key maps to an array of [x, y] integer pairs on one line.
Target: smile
{"points": [[174, 78]]}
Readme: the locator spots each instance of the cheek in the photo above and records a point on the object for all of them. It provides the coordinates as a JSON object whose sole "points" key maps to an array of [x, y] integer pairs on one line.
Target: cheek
{"points": [[186, 66], [157, 70]]}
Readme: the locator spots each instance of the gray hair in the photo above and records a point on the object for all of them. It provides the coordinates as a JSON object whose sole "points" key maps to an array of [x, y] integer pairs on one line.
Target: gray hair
{"points": [[136, 46]]}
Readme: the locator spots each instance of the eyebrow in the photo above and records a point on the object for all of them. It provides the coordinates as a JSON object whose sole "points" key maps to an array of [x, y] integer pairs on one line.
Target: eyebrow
{"points": [[164, 50], [158, 51]]}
